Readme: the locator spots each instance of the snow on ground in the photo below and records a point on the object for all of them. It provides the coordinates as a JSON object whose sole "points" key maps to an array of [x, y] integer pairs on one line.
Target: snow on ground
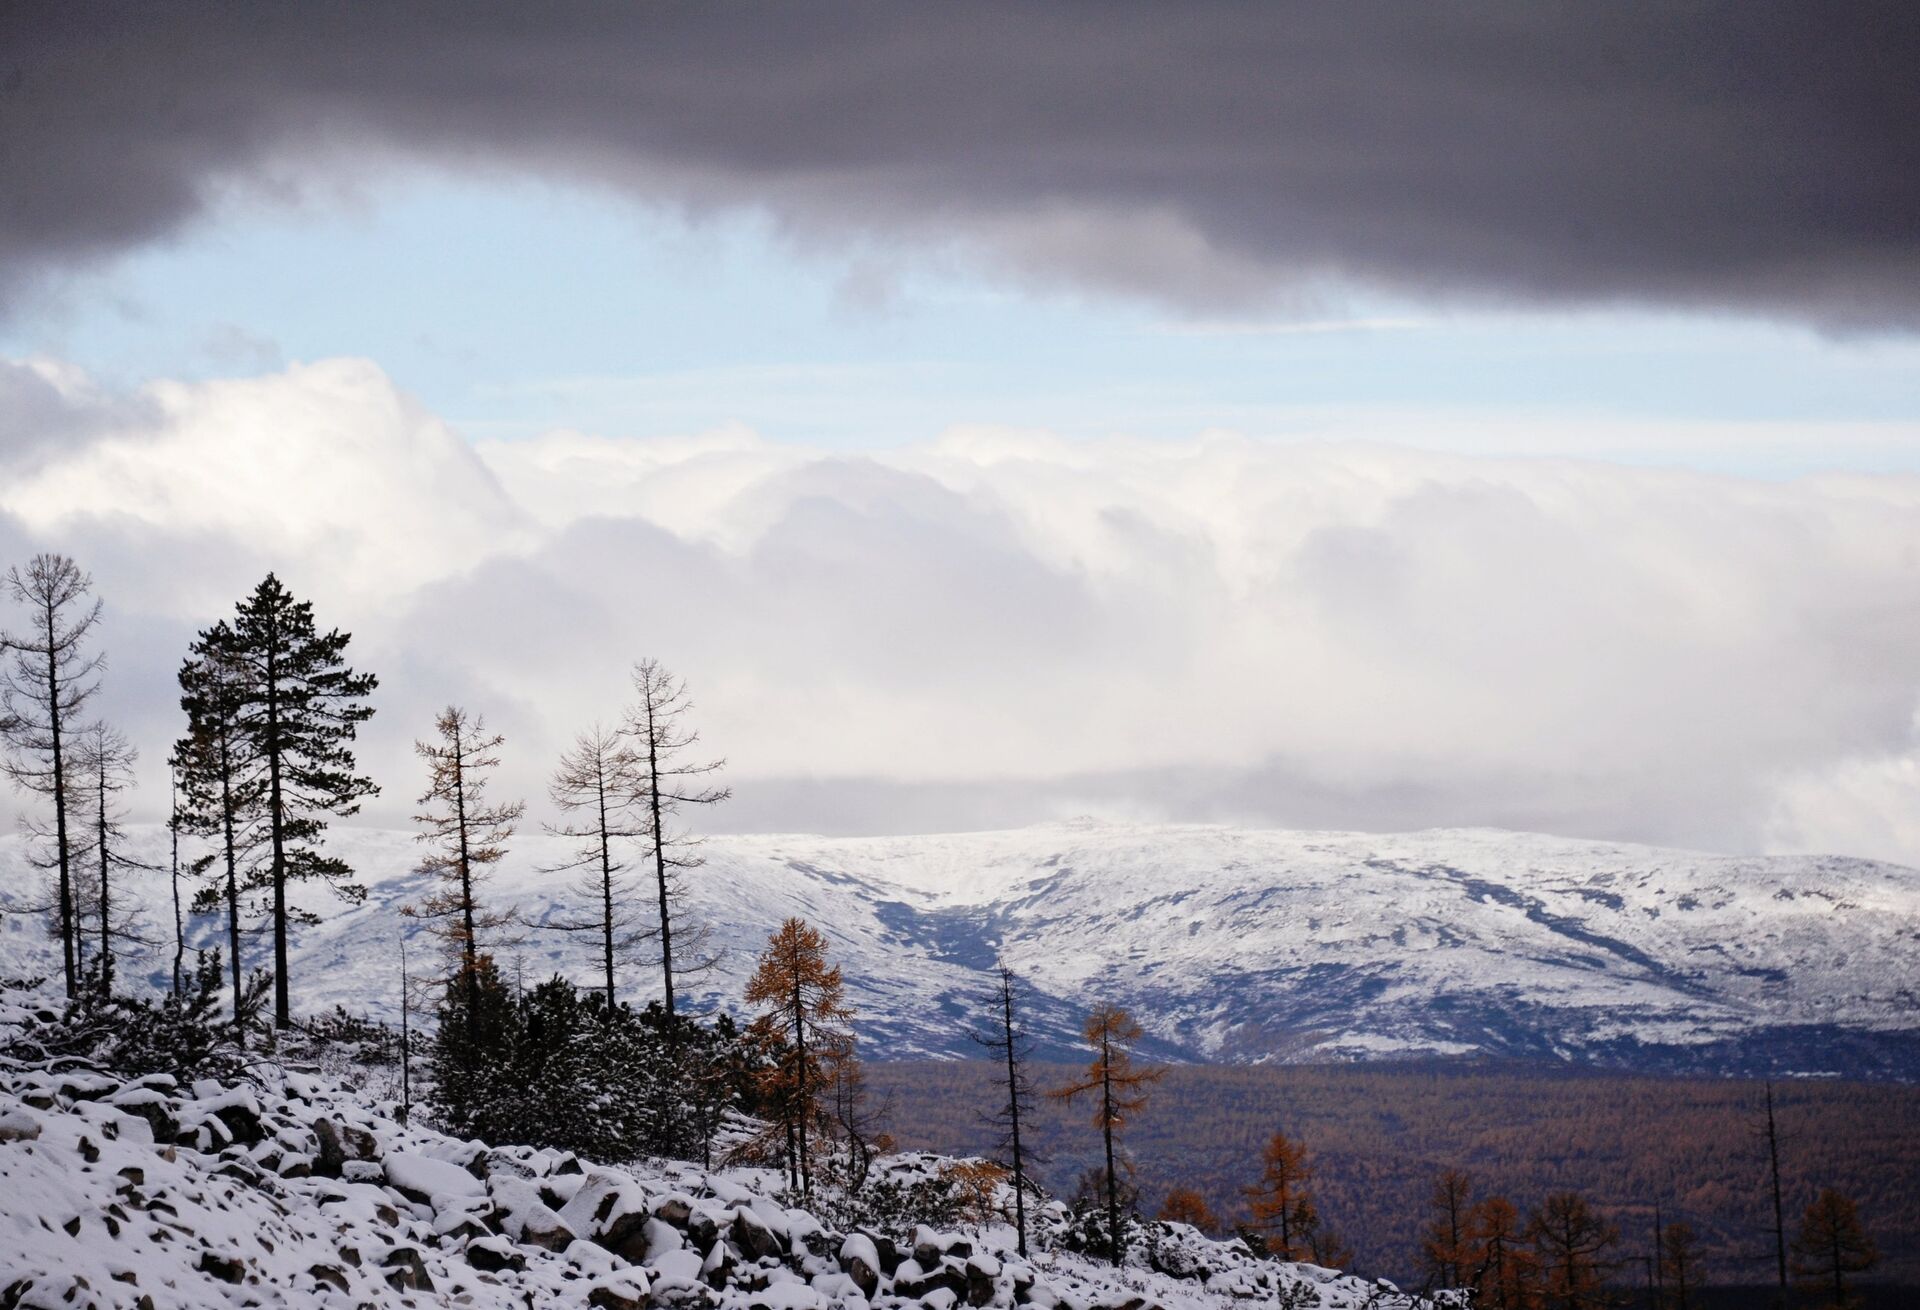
{"points": [[287, 1189], [1233, 944]]}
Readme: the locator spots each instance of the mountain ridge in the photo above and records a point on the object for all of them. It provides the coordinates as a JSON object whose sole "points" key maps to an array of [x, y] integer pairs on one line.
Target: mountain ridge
{"points": [[1245, 945]]}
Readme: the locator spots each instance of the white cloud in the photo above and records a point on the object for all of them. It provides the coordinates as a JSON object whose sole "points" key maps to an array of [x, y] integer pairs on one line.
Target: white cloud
{"points": [[1004, 625]]}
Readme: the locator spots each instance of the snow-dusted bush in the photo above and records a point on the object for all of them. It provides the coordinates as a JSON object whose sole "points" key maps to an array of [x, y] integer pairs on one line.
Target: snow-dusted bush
{"points": [[186, 1035], [557, 1067]]}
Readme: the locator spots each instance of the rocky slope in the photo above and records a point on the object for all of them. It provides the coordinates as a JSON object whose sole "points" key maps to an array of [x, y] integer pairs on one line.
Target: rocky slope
{"points": [[287, 1189], [1247, 945]]}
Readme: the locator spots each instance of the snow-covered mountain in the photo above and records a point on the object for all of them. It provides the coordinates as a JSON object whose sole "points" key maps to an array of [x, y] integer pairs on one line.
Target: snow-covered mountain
{"points": [[1240, 945]]}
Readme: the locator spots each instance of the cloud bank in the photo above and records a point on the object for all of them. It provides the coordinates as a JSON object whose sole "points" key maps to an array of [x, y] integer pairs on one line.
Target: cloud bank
{"points": [[1001, 627], [1760, 158]]}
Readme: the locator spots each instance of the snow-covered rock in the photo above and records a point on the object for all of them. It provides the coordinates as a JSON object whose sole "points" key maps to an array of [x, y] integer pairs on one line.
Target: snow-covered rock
{"points": [[97, 1209]]}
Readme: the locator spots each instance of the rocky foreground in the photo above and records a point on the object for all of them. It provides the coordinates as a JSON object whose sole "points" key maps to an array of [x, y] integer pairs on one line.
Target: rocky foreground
{"points": [[284, 1188]]}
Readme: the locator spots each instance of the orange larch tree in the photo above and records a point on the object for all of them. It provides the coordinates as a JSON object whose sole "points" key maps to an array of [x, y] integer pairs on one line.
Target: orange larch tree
{"points": [[802, 1029], [1183, 1205], [1282, 1201], [1500, 1267], [1118, 1089], [1444, 1241]]}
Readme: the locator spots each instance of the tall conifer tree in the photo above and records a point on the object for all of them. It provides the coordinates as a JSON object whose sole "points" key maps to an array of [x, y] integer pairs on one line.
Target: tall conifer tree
{"points": [[222, 787], [43, 688], [1831, 1244], [302, 707], [1119, 1091], [1282, 1201], [802, 1023]]}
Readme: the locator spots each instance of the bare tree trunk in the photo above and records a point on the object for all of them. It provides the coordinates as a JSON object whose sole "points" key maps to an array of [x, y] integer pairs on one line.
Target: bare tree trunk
{"points": [[106, 857], [1779, 1215], [1106, 1125], [660, 866], [68, 929], [179, 924], [606, 887], [276, 820], [1013, 1118]]}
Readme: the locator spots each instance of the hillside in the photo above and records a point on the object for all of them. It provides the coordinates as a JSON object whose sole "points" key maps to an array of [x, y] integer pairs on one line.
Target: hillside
{"points": [[286, 1187], [1245, 946]]}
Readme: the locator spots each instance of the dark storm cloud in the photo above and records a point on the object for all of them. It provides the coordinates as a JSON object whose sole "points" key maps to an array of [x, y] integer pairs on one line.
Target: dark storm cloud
{"points": [[1756, 157]]}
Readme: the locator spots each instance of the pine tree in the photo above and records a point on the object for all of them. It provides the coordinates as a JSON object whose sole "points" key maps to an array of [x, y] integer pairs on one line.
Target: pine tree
{"points": [[1572, 1245], [302, 709], [1282, 1201], [598, 790], [1831, 1244], [803, 1015], [1443, 1244], [103, 767], [670, 781], [43, 689], [1119, 1092], [1679, 1264], [1008, 1046], [223, 790], [466, 832]]}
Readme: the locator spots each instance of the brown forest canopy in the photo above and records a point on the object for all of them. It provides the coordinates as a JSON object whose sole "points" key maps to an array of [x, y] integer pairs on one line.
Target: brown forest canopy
{"points": [[1380, 1137]]}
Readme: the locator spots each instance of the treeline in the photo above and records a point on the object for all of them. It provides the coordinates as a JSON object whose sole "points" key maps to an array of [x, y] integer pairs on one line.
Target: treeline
{"points": [[1695, 1151]]}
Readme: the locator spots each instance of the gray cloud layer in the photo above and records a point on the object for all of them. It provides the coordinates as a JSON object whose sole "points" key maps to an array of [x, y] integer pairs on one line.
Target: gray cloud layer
{"points": [[1762, 158], [1001, 627]]}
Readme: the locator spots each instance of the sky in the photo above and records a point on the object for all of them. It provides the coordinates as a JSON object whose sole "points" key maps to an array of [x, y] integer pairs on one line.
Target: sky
{"points": [[1285, 416]]}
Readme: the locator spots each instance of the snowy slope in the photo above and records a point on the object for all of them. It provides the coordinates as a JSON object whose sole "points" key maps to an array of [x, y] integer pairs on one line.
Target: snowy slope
{"points": [[1245, 945], [288, 1188]]}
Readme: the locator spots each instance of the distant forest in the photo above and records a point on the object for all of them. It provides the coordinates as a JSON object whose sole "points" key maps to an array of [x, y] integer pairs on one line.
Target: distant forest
{"points": [[1380, 1135]]}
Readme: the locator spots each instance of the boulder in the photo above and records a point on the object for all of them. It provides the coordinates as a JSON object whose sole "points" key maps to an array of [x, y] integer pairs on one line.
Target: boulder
{"points": [[422, 1178], [331, 1153], [755, 1238], [860, 1260], [521, 1214], [493, 1254], [330, 1276], [148, 1104], [621, 1291], [611, 1210], [981, 1270], [19, 1126], [228, 1269], [717, 1269], [406, 1271]]}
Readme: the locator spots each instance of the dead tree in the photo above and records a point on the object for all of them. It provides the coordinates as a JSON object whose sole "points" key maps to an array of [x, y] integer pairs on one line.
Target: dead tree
{"points": [[467, 835], [598, 790], [1007, 1045], [103, 768], [670, 781], [44, 686]]}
